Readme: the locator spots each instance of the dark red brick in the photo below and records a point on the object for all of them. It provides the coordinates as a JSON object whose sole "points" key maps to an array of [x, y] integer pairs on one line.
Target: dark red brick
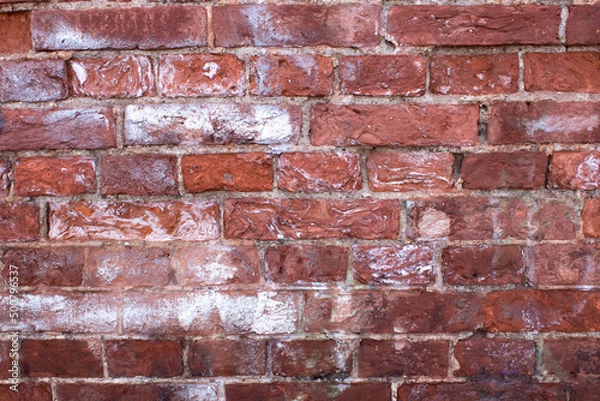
{"points": [[577, 264], [582, 25], [27, 392], [130, 358], [141, 175], [297, 264], [504, 170], [218, 358], [19, 222], [15, 32], [571, 358], [591, 218], [65, 176], [564, 72], [136, 392], [61, 358], [486, 357], [314, 358], [309, 391]]}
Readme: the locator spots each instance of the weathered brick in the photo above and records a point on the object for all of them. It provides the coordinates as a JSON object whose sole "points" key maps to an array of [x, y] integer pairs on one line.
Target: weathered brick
{"points": [[394, 265], [483, 265], [151, 221], [211, 124], [584, 391], [158, 358], [473, 25], [403, 358], [60, 267], [410, 171], [298, 264], [315, 391], [310, 218], [27, 391], [5, 167], [319, 172], [141, 175], [565, 72], [476, 391], [61, 358], [19, 222], [15, 32], [404, 124], [128, 267], [402, 75], [313, 358], [119, 28], [591, 218], [486, 357], [65, 176], [201, 75], [137, 392], [504, 170], [582, 25], [210, 358], [474, 75], [575, 170], [216, 265], [571, 358], [121, 76], [577, 264], [33, 80], [34, 129], [293, 75], [227, 172], [544, 122], [344, 25], [206, 313], [454, 218]]}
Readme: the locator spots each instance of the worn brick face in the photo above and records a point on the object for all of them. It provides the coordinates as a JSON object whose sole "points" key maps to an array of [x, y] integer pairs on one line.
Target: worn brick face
{"points": [[138, 358], [54, 176], [33, 81], [16, 32], [142, 175], [296, 264], [566, 72]]}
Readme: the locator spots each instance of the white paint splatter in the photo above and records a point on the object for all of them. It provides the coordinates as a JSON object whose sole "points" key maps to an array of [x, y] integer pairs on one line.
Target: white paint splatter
{"points": [[212, 68], [80, 72], [588, 173], [559, 123], [434, 224]]}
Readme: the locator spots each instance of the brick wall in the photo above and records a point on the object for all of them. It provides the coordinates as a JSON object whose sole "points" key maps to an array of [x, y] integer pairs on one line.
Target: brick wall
{"points": [[300, 200]]}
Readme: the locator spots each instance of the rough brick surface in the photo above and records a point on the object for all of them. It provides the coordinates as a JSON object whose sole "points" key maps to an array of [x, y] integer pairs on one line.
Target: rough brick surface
{"points": [[566, 264], [19, 222], [138, 358], [571, 358], [139, 175], [566, 72], [33, 81], [474, 391], [62, 358], [575, 170], [54, 176], [312, 358], [582, 25], [515, 170], [228, 358], [5, 168], [483, 357], [305, 263], [591, 218], [16, 32]]}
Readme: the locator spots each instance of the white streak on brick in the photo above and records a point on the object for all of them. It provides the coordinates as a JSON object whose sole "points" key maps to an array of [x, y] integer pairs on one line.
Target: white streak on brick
{"points": [[434, 224], [561, 124], [588, 173]]}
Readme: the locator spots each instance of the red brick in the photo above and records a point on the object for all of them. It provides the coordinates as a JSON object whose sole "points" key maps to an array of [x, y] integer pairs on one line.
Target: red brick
{"points": [[474, 75], [410, 171], [130, 358], [486, 357], [60, 267], [201, 75], [453, 218], [19, 222], [481, 390], [119, 28], [582, 25], [591, 218], [201, 266], [54, 176], [575, 170], [210, 313], [269, 219], [566, 265], [297, 264], [319, 172], [33, 80], [473, 25], [565, 72], [293, 75], [27, 392], [483, 265], [402, 75], [212, 124], [150, 221], [6, 361], [121, 76], [403, 358], [314, 358], [341, 25], [504, 170], [5, 167], [394, 265], [15, 32], [241, 172], [228, 358], [128, 267], [571, 358], [136, 392], [61, 358], [584, 391], [544, 122], [141, 175], [310, 391], [404, 124], [31, 129]]}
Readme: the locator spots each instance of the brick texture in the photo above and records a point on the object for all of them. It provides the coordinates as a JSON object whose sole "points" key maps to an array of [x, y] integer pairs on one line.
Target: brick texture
{"points": [[292, 200]]}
